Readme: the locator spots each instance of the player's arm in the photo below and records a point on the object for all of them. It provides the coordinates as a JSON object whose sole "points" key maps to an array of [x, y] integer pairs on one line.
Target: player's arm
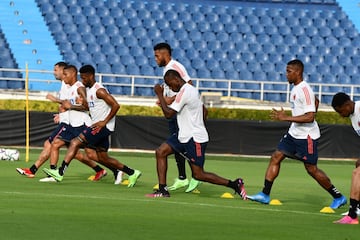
{"points": [[317, 102], [205, 113], [82, 106], [168, 112], [101, 93], [53, 98], [281, 115]]}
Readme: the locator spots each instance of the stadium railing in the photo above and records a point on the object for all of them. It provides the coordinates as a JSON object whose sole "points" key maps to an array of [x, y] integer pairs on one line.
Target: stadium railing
{"points": [[142, 86]]}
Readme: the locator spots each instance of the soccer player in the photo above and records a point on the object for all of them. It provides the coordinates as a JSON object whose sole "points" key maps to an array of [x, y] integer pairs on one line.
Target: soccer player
{"points": [[343, 105], [162, 54], [103, 108], [75, 107], [62, 120], [301, 140], [192, 138]]}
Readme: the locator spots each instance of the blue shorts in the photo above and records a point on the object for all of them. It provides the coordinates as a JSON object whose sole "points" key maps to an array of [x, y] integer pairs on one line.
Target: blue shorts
{"points": [[192, 151], [71, 132], [60, 129], [97, 139], [173, 126], [304, 150]]}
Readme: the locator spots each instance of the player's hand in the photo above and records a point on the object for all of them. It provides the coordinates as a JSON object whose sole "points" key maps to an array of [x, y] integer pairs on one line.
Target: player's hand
{"points": [[56, 118], [66, 104], [158, 89], [98, 126], [278, 114]]}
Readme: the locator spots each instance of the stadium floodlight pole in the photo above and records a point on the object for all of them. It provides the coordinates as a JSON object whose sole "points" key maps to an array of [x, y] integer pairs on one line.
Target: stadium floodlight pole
{"points": [[27, 111]]}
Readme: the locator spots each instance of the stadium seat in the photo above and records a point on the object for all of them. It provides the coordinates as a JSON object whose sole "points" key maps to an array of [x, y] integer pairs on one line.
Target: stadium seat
{"points": [[113, 58]]}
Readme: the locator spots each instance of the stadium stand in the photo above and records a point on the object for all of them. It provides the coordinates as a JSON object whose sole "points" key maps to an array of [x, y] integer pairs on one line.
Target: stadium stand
{"points": [[236, 40]]}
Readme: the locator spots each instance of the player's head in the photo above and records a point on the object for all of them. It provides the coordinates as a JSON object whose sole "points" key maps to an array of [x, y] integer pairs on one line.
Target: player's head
{"points": [[87, 75], [70, 74], [294, 71], [58, 70], [173, 79], [342, 104], [162, 54]]}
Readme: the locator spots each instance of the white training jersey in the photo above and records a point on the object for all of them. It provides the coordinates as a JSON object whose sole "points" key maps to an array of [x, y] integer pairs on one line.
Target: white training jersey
{"points": [[189, 108], [355, 118], [63, 95], [302, 101], [174, 65], [77, 118], [98, 108]]}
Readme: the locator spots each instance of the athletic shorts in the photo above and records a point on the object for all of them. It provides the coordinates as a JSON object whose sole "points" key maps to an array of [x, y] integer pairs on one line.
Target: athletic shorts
{"points": [[173, 126], [192, 151], [97, 139], [70, 133], [304, 150], [60, 129]]}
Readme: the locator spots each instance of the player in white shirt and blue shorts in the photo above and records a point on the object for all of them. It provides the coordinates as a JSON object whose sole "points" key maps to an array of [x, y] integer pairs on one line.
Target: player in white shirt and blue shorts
{"points": [[192, 137], [301, 140]]}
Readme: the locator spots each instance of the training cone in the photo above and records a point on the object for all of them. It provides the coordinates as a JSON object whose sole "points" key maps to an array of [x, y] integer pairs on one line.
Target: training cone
{"points": [[275, 202], [125, 182], [91, 178], [227, 195], [195, 191], [327, 210]]}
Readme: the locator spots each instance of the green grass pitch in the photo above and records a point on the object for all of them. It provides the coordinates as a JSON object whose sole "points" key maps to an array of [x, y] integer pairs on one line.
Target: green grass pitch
{"points": [[77, 208]]}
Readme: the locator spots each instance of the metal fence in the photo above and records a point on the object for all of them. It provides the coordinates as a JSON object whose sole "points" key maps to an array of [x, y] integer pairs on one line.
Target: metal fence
{"points": [[142, 86]]}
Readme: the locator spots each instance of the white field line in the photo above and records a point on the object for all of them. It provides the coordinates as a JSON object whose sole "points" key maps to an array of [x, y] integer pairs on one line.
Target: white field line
{"points": [[144, 199]]}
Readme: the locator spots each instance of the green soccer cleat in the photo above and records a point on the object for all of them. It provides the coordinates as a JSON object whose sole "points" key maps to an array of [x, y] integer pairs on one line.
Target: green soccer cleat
{"points": [[133, 178], [179, 183], [53, 173], [192, 185]]}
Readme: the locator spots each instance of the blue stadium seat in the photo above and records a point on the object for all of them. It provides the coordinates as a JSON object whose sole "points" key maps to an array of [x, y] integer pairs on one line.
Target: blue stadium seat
{"points": [[226, 64], [344, 60], [323, 68], [232, 74], [99, 57], [336, 69], [147, 70], [343, 79], [234, 55], [217, 27], [245, 75], [351, 70], [355, 79], [79, 47], [113, 58], [127, 60], [118, 68], [198, 63], [330, 60], [132, 69]]}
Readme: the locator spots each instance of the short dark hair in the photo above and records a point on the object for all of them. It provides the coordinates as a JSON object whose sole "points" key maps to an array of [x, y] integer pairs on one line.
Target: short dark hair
{"points": [[339, 99], [61, 64], [172, 74], [87, 69], [298, 63], [69, 66], [163, 45]]}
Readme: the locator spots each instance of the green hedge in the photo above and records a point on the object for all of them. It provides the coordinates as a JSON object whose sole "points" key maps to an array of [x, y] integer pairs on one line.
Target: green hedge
{"points": [[214, 113]]}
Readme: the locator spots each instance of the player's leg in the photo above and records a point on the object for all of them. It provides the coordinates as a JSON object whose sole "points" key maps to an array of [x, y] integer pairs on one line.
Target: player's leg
{"points": [[352, 215], [112, 163], [307, 151], [161, 154], [196, 152], [42, 158], [286, 147], [73, 148]]}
